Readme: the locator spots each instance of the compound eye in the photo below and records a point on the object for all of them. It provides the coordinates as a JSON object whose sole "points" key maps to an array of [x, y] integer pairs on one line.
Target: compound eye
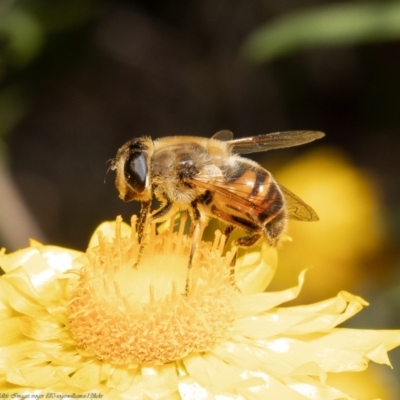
{"points": [[135, 169]]}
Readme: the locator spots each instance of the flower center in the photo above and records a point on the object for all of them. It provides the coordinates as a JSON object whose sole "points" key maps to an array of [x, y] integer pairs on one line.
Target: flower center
{"points": [[127, 313]]}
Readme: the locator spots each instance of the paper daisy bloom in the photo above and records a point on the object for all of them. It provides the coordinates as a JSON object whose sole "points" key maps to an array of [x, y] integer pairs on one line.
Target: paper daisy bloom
{"points": [[116, 323]]}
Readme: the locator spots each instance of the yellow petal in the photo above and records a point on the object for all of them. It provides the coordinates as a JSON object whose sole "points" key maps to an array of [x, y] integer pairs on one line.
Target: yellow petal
{"points": [[379, 355], [267, 388], [32, 271], [315, 390], [325, 314], [8, 262], [107, 228], [189, 389], [362, 343], [334, 351], [84, 378], [5, 310], [58, 258], [121, 377], [259, 302], [40, 330], [256, 268], [35, 376], [21, 294], [264, 326], [9, 332], [159, 381], [225, 379], [154, 382]]}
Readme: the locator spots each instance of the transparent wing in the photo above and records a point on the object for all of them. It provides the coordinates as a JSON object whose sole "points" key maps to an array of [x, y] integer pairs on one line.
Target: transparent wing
{"points": [[237, 195], [296, 208], [271, 141]]}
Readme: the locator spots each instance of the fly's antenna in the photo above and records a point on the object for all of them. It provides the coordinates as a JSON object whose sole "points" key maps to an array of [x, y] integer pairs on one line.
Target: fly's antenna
{"points": [[111, 166]]}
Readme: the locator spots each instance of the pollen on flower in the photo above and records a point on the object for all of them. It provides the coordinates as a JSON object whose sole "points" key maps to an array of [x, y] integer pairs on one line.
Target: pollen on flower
{"points": [[127, 312]]}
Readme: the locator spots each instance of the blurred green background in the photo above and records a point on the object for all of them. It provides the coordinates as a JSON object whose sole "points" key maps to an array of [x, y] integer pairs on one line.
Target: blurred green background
{"points": [[78, 78]]}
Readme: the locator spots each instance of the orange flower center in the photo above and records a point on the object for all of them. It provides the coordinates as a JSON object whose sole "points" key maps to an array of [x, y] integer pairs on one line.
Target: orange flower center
{"points": [[127, 313]]}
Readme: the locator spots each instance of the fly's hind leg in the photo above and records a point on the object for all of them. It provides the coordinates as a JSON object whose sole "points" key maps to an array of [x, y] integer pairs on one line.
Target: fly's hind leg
{"points": [[254, 233], [228, 230], [246, 241], [250, 240], [143, 216]]}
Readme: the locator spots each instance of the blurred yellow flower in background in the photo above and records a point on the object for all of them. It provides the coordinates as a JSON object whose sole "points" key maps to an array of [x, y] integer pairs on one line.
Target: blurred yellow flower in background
{"points": [[77, 323], [350, 230]]}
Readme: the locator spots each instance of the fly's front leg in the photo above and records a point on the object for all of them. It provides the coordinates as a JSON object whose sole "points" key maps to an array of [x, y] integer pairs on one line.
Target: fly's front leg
{"points": [[145, 220], [142, 222], [164, 209], [143, 214]]}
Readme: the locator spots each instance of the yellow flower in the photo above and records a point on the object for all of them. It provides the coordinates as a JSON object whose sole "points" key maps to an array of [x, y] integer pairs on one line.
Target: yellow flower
{"points": [[350, 230], [104, 324]]}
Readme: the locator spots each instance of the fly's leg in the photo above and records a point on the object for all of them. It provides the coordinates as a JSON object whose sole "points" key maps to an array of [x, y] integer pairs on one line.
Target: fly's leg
{"points": [[198, 227], [227, 232], [142, 222], [143, 214], [250, 240], [164, 209], [246, 241], [145, 220], [254, 233]]}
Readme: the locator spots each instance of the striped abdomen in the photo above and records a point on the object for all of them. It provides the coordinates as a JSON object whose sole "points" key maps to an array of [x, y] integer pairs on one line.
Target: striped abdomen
{"points": [[251, 198]]}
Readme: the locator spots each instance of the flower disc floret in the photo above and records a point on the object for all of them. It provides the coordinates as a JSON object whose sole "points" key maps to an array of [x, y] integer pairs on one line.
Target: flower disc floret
{"points": [[132, 308]]}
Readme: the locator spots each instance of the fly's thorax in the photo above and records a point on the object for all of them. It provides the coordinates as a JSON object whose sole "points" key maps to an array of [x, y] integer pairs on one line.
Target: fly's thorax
{"points": [[172, 167], [180, 163], [218, 152], [175, 159], [205, 150]]}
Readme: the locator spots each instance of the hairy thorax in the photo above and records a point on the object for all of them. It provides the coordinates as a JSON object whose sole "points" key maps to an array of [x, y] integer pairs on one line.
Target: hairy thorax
{"points": [[174, 168]]}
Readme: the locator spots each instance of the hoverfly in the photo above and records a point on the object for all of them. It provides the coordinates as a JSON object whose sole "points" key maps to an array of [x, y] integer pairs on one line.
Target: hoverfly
{"points": [[209, 179]]}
